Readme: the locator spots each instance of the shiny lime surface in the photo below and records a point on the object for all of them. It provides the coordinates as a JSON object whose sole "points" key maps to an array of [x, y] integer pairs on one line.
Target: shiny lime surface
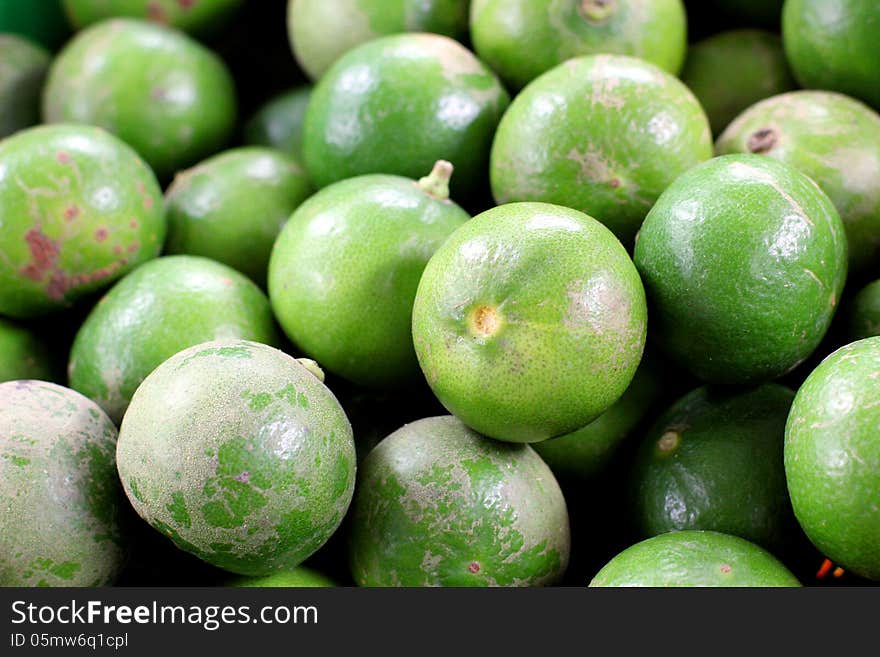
{"points": [[604, 134], [398, 104], [521, 39], [166, 95], [723, 245], [529, 322], [832, 457]]}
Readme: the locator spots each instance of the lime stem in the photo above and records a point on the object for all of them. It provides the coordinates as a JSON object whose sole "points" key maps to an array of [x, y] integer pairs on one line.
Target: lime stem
{"points": [[312, 367], [436, 183]]}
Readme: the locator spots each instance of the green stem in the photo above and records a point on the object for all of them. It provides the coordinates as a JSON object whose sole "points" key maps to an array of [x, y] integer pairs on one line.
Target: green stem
{"points": [[436, 183]]}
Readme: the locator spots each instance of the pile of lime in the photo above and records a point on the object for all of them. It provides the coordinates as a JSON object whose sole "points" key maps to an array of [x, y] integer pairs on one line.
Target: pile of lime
{"points": [[439, 293]]}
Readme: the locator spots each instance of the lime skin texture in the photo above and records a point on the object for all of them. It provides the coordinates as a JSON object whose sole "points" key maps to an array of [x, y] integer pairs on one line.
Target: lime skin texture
{"points": [[521, 39], [832, 138], [603, 134], [157, 89], [398, 104], [299, 577], [61, 517], [694, 558], [863, 317], [239, 454], [23, 68], [833, 44], [23, 355], [529, 322], [170, 303], [832, 457], [231, 207], [79, 208], [730, 71], [584, 453], [743, 259], [321, 31], [345, 269], [198, 17], [713, 461], [279, 122], [437, 504]]}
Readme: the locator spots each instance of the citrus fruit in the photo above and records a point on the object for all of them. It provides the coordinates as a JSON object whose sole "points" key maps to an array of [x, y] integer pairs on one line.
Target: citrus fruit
{"points": [[714, 461], [439, 505], [832, 44], [398, 104], [321, 31], [603, 134], [60, 521], [720, 250], [345, 269], [832, 457], [239, 454], [529, 322], [520, 39], [694, 558]]}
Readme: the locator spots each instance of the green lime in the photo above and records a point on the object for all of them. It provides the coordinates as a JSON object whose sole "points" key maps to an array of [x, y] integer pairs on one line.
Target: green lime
{"points": [[603, 134], [521, 39], [694, 558], [157, 89], [239, 454], [23, 71], [439, 505], [714, 461], [60, 521], [833, 139], [719, 252], [751, 64], [321, 31], [398, 104], [583, 454], [529, 322], [195, 16], [79, 209], [23, 355], [345, 269], [278, 123], [833, 44], [159, 309], [232, 206], [832, 457]]}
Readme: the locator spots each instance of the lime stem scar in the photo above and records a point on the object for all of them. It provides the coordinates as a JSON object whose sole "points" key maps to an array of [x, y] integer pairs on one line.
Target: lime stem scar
{"points": [[484, 321]]}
